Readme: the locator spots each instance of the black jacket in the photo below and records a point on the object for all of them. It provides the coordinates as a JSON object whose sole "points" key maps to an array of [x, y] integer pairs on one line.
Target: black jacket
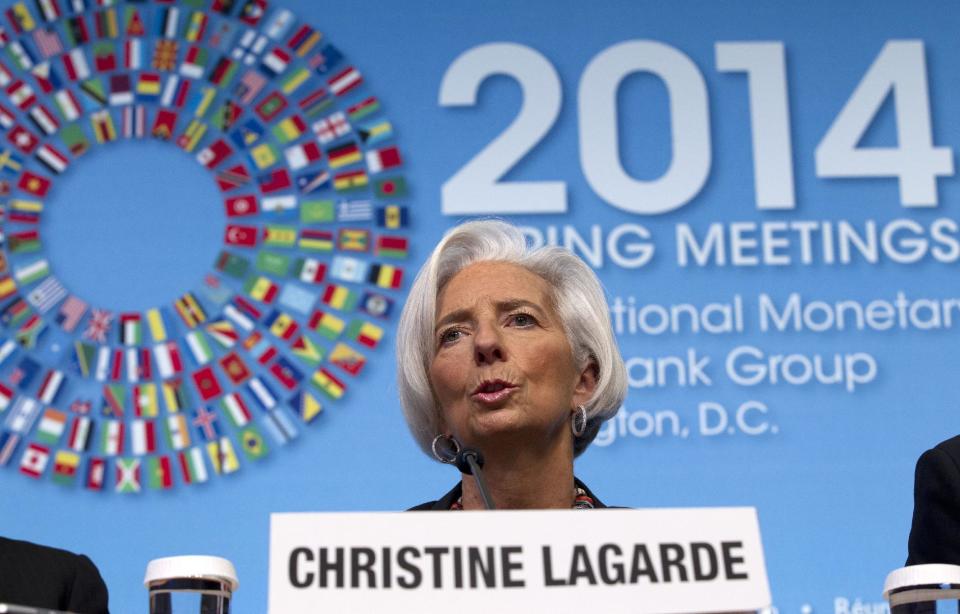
{"points": [[935, 534], [443, 504], [45, 577]]}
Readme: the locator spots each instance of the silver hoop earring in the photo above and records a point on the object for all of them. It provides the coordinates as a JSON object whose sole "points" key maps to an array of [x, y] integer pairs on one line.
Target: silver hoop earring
{"points": [[578, 422], [445, 448]]}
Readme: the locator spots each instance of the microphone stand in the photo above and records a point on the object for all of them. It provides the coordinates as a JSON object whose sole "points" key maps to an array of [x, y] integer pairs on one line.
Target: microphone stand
{"points": [[469, 461]]}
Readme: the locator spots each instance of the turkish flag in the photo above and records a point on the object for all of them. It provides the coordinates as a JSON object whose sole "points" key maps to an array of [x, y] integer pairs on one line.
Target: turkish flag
{"points": [[242, 236]]}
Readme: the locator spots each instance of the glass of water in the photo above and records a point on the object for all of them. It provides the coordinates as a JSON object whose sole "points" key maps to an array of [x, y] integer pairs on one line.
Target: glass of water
{"points": [[923, 589], [190, 585]]}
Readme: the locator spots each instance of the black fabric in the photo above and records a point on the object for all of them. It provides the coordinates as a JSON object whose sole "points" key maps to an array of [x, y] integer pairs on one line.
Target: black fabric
{"points": [[443, 504], [45, 577], [935, 534]]}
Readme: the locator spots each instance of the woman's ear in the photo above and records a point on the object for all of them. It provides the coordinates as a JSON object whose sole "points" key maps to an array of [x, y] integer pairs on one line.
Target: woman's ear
{"points": [[586, 383]]}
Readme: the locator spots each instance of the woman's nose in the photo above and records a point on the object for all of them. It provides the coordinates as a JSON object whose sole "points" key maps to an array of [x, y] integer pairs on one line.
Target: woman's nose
{"points": [[488, 345]]}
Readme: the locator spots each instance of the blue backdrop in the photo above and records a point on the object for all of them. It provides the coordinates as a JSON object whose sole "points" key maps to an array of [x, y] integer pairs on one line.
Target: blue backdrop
{"points": [[828, 463]]}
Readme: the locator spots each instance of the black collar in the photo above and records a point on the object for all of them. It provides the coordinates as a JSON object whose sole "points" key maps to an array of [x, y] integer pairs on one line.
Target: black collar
{"points": [[443, 504]]}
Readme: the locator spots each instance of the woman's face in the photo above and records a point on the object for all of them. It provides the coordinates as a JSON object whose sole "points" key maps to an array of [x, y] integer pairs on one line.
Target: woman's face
{"points": [[503, 370]]}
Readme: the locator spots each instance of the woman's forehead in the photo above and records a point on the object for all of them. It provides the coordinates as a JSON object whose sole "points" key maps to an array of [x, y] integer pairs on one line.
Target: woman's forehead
{"points": [[493, 282]]}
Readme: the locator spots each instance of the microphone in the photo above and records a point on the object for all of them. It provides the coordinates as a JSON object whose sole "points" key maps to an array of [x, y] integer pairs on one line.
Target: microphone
{"points": [[469, 461]]}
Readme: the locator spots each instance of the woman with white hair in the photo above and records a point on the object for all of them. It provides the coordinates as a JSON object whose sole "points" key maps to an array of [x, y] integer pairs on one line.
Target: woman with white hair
{"points": [[508, 351]]}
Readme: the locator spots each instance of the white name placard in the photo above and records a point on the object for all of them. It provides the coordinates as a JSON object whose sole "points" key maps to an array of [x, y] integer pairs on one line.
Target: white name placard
{"points": [[612, 561]]}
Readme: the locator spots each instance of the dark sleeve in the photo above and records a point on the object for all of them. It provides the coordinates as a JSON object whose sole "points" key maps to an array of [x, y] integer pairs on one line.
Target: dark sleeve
{"points": [[935, 532], [88, 594]]}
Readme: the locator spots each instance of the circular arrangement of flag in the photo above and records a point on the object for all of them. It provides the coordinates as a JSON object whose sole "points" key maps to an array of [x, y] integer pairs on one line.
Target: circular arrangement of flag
{"points": [[313, 196]]}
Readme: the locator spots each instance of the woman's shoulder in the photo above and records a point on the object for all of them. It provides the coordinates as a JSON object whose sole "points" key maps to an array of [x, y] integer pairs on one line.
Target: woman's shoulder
{"points": [[442, 504]]}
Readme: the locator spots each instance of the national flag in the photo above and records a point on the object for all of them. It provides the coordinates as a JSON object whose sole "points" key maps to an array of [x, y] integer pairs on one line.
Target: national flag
{"points": [[192, 466], [196, 27], [76, 30], [375, 304], [273, 263], [199, 348], [280, 427], [7, 287], [343, 155], [306, 406], [22, 415], [46, 77], [75, 140], [103, 128], [164, 125], [354, 211], [284, 372], [205, 380], [114, 399], [241, 236], [375, 131], [96, 473], [251, 12], [393, 187], [379, 160], [324, 381], [325, 60], [8, 446], [192, 135], [237, 371], [349, 181], [252, 442], [6, 117], [353, 240], [309, 270], [31, 272], [347, 359], [165, 55], [104, 56], [35, 184], [148, 86], [279, 23], [21, 95], [223, 458], [261, 289], [385, 276], [49, 9], [249, 86], [159, 472], [281, 325], [347, 268], [174, 395], [52, 158], [261, 392], [236, 409], [24, 140], [175, 91], [156, 322], [316, 240], [275, 62], [247, 133], [168, 358], [281, 236], [75, 65], [221, 76], [364, 333], [133, 57], [177, 432], [263, 155], [78, 437], [127, 475], [240, 206], [65, 465], [50, 386], [130, 329], [233, 177], [223, 332], [102, 370], [51, 427], [345, 81], [306, 350], [190, 310], [98, 326], [133, 23], [145, 404], [312, 181], [247, 308], [233, 265], [121, 90], [111, 438], [270, 107], [84, 357], [215, 153], [362, 109], [205, 421], [294, 80], [169, 18], [21, 55], [138, 365], [315, 103], [249, 47], [133, 121], [24, 242], [289, 129], [339, 297], [34, 460], [284, 202], [195, 62], [303, 40]]}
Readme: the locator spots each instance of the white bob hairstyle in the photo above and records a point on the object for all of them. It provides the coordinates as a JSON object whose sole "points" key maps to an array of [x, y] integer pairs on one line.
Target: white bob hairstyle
{"points": [[577, 297]]}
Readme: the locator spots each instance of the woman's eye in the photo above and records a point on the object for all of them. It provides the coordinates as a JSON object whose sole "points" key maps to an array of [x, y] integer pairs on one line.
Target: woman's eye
{"points": [[522, 319], [449, 336]]}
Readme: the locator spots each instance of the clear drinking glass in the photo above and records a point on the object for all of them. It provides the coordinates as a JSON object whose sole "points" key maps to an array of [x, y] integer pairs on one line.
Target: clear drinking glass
{"points": [[923, 589], [190, 585]]}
